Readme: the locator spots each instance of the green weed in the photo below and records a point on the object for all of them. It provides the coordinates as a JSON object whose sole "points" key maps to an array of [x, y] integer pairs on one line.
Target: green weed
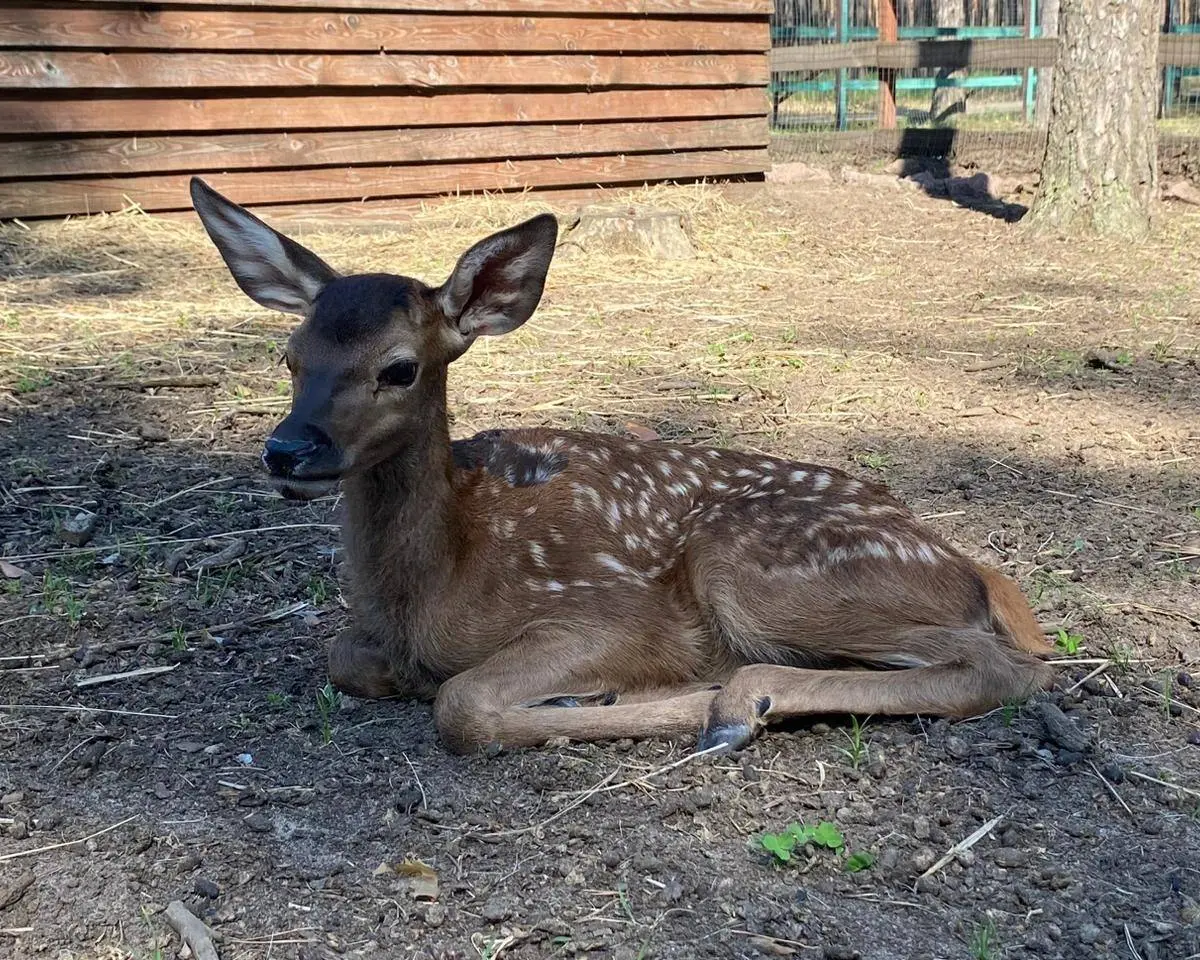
{"points": [[983, 941], [1068, 643], [875, 461], [782, 845], [858, 748], [329, 701], [32, 380]]}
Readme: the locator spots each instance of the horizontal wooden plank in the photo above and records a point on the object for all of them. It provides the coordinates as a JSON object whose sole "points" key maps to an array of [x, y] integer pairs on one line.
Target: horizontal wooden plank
{"points": [[190, 29], [707, 8], [92, 156], [163, 114], [98, 71], [44, 198], [1005, 52], [1179, 50], [816, 57], [993, 54], [385, 214]]}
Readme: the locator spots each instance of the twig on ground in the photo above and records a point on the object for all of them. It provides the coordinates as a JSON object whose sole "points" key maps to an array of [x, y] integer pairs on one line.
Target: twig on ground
{"points": [[632, 781], [127, 675], [1162, 783], [496, 834], [192, 931], [1111, 789], [962, 845], [1095, 673], [417, 778], [80, 708], [1129, 943], [66, 843]]}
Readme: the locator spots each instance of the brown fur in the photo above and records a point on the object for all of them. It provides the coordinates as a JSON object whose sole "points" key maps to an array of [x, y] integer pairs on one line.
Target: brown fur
{"points": [[551, 583]]}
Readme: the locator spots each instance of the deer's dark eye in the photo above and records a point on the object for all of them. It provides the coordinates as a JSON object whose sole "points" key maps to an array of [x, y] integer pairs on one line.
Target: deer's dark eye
{"points": [[402, 373]]}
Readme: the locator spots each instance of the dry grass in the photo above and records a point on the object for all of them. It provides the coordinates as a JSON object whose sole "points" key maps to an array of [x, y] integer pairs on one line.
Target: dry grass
{"points": [[790, 318]]}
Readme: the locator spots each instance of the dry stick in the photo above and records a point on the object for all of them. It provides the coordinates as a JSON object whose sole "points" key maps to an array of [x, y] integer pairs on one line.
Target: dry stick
{"points": [[127, 675], [1129, 943], [1111, 789], [80, 708], [192, 931], [963, 845], [417, 777], [1095, 673], [1162, 783], [537, 826], [646, 776], [66, 843]]}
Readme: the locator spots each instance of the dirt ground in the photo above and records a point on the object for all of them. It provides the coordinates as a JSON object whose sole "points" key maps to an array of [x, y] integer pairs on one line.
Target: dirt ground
{"points": [[1037, 399]]}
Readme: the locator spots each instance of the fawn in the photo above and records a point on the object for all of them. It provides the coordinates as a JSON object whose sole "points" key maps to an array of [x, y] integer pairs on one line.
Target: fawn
{"points": [[547, 583]]}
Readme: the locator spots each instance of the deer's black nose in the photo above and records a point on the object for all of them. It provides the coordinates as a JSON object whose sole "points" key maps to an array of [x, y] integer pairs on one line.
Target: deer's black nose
{"points": [[282, 457]]}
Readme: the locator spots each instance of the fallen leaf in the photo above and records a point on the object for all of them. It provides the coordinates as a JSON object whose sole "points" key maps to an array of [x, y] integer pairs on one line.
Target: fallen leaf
{"points": [[11, 571], [640, 432], [423, 879]]}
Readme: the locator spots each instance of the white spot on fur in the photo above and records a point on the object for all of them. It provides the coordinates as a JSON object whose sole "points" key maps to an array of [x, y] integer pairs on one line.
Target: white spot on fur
{"points": [[743, 472], [554, 586], [821, 481], [926, 554], [906, 661], [538, 553], [799, 475], [608, 560], [718, 485], [851, 488]]}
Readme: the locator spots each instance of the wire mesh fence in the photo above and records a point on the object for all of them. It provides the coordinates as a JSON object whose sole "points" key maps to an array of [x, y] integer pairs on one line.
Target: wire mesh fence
{"points": [[927, 77]]}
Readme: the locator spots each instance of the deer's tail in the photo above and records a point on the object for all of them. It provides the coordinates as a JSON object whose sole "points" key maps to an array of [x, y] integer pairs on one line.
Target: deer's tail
{"points": [[1010, 612]]}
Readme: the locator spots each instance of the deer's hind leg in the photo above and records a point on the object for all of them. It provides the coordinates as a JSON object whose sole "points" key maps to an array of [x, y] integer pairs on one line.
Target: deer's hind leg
{"points": [[545, 686], [952, 672]]}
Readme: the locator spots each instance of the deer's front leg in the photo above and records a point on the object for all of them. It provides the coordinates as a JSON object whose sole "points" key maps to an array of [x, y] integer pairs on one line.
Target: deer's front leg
{"points": [[359, 666], [538, 688]]}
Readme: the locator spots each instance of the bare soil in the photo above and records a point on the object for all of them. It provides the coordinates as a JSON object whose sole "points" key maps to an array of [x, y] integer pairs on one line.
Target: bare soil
{"points": [[1037, 399]]}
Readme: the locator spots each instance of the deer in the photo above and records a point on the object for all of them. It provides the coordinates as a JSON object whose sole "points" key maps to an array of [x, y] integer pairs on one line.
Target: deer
{"points": [[538, 584]]}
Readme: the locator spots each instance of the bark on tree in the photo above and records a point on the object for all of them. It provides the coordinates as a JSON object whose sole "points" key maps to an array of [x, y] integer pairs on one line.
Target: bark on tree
{"points": [[1100, 168], [1045, 77], [948, 101]]}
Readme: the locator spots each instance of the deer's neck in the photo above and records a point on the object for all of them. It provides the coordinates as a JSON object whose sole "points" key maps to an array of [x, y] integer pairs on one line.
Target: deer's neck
{"points": [[400, 526]]}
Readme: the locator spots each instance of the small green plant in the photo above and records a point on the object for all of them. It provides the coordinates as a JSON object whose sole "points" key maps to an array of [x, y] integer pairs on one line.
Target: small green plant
{"points": [[863, 860], [328, 702], [1067, 642], [1121, 655], [1124, 358], [857, 748], [178, 637], [1012, 707], [983, 941], [59, 599], [875, 461], [782, 845], [1167, 683], [317, 589], [30, 381], [276, 699]]}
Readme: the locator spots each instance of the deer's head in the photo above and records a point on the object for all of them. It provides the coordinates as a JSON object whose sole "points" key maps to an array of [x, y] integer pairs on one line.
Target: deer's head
{"points": [[368, 361]]}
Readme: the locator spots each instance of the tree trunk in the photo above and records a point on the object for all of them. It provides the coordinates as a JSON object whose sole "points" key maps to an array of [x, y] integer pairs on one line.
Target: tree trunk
{"points": [[1100, 169], [948, 101], [1045, 76]]}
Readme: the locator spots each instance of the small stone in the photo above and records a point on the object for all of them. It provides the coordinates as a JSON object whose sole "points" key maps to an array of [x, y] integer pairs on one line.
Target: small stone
{"points": [[1194, 738], [13, 799], [495, 911], [965, 857], [921, 828], [958, 748], [188, 863], [1113, 772], [877, 769], [923, 859], [79, 529], [1089, 933], [574, 879], [206, 888], [611, 858], [153, 433], [841, 953], [435, 915], [1010, 857]]}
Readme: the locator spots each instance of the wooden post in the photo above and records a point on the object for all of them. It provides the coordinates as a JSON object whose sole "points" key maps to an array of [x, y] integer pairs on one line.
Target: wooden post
{"points": [[888, 33], [1170, 74]]}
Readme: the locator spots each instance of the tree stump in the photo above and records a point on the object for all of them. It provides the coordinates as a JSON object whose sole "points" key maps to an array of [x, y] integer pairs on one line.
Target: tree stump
{"points": [[628, 228]]}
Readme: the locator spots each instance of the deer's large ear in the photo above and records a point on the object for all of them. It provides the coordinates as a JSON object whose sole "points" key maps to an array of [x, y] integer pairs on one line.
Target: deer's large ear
{"points": [[272, 270], [496, 285]]}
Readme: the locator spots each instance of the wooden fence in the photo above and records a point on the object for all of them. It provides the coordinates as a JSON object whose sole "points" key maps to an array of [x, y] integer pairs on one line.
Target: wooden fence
{"points": [[104, 104]]}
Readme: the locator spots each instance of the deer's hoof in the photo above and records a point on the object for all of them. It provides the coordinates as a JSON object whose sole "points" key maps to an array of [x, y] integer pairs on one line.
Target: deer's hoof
{"points": [[727, 736]]}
